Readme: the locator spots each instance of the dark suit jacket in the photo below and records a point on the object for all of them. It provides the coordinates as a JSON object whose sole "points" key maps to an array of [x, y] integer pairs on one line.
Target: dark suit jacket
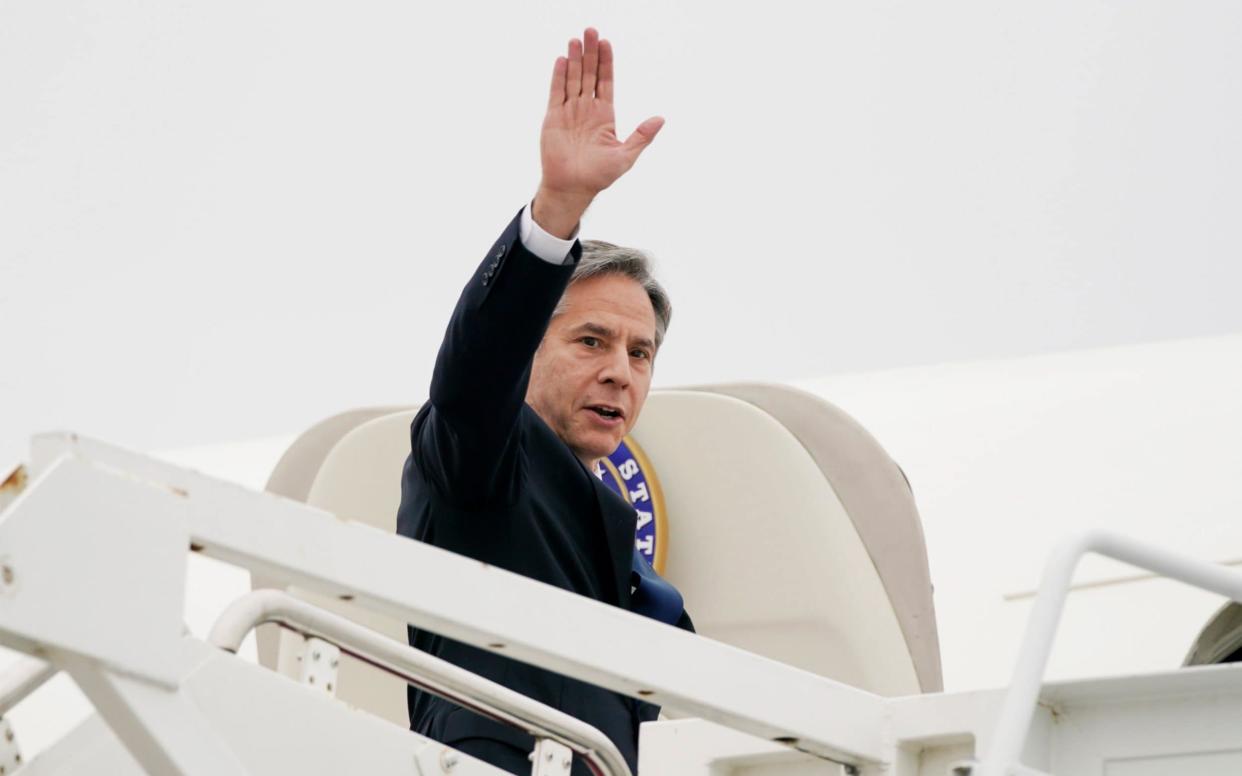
{"points": [[489, 479]]}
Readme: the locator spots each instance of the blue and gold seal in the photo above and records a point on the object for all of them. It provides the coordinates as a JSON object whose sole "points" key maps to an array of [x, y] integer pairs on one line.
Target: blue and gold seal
{"points": [[629, 473]]}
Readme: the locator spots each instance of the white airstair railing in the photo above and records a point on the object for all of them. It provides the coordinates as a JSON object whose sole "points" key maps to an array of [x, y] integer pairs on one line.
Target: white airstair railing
{"points": [[1009, 736], [300, 545], [122, 639], [420, 669]]}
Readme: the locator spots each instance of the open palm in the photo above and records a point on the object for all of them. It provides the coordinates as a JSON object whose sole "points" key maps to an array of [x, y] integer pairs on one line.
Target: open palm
{"points": [[579, 148]]}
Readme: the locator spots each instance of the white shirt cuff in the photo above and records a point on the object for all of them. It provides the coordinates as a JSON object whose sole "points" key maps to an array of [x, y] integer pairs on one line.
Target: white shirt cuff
{"points": [[551, 249]]}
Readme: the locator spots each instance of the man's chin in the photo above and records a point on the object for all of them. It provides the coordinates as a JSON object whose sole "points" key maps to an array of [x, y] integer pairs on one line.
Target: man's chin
{"points": [[595, 447]]}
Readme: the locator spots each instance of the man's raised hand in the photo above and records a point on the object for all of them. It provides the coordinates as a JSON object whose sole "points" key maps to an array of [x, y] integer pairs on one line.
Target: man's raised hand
{"points": [[579, 148]]}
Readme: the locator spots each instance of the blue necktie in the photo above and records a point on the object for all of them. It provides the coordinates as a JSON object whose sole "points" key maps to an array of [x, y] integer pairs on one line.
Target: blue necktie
{"points": [[653, 597]]}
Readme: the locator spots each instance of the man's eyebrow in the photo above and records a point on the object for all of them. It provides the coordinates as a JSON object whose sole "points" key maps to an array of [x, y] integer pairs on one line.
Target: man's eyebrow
{"points": [[595, 328], [643, 342], [600, 330]]}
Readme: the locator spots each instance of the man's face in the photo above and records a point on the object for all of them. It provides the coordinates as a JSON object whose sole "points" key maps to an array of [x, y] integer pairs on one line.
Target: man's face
{"points": [[591, 373]]}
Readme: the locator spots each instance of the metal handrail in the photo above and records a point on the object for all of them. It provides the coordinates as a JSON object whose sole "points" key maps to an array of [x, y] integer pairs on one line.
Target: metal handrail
{"points": [[420, 669], [1019, 704]]}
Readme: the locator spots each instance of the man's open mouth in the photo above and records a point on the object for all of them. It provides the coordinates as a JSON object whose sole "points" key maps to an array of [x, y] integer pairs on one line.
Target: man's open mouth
{"points": [[604, 411]]}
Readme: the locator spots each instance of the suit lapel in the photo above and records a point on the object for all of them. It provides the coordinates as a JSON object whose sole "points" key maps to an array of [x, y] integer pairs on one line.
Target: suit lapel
{"points": [[619, 526]]}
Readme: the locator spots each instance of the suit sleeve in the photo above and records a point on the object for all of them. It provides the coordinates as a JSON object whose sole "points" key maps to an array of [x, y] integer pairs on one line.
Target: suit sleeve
{"points": [[465, 438], [684, 622]]}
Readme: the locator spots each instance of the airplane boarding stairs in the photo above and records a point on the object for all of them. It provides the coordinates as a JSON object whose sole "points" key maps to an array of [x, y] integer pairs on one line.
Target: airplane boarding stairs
{"points": [[93, 554]]}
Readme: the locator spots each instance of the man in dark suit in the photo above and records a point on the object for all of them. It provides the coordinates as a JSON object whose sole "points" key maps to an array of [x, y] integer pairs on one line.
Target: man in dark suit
{"points": [[544, 368]]}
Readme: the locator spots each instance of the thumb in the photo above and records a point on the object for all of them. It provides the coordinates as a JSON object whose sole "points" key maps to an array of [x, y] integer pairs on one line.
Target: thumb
{"points": [[643, 135]]}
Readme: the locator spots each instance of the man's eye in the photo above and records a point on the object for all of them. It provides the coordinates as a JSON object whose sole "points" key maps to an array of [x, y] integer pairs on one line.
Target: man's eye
{"points": [[639, 353], [590, 342]]}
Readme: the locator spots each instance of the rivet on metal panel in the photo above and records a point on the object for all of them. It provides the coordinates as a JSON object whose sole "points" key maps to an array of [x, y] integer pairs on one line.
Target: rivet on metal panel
{"points": [[10, 755], [319, 668]]}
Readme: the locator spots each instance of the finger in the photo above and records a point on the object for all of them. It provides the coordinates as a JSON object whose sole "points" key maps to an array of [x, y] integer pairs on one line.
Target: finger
{"points": [[643, 135], [573, 81], [603, 87], [556, 96], [590, 61]]}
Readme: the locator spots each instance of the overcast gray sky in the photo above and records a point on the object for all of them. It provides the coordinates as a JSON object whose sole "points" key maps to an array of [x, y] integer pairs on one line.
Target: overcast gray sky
{"points": [[225, 220]]}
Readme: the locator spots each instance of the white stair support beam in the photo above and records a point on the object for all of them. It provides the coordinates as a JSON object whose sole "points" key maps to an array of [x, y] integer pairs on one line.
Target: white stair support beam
{"points": [[1001, 758], [273, 724], [533, 622], [22, 678], [120, 635], [419, 668], [163, 729], [89, 749]]}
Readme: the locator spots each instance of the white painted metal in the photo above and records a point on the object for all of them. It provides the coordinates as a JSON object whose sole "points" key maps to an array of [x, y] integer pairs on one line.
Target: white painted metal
{"points": [[22, 678], [12, 484], [162, 726], [775, 512], [820, 604], [551, 758], [742, 492], [1006, 457], [1185, 721], [1182, 721], [488, 607], [87, 749], [123, 617], [322, 627], [319, 663], [185, 707], [695, 747], [119, 637], [1015, 716], [10, 754], [271, 724]]}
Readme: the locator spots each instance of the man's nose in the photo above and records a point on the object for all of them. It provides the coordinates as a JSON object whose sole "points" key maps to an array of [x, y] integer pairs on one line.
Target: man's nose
{"points": [[616, 368]]}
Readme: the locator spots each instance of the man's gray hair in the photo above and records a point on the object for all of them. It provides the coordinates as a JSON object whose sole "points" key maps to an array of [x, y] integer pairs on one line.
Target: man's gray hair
{"points": [[601, 258]]}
